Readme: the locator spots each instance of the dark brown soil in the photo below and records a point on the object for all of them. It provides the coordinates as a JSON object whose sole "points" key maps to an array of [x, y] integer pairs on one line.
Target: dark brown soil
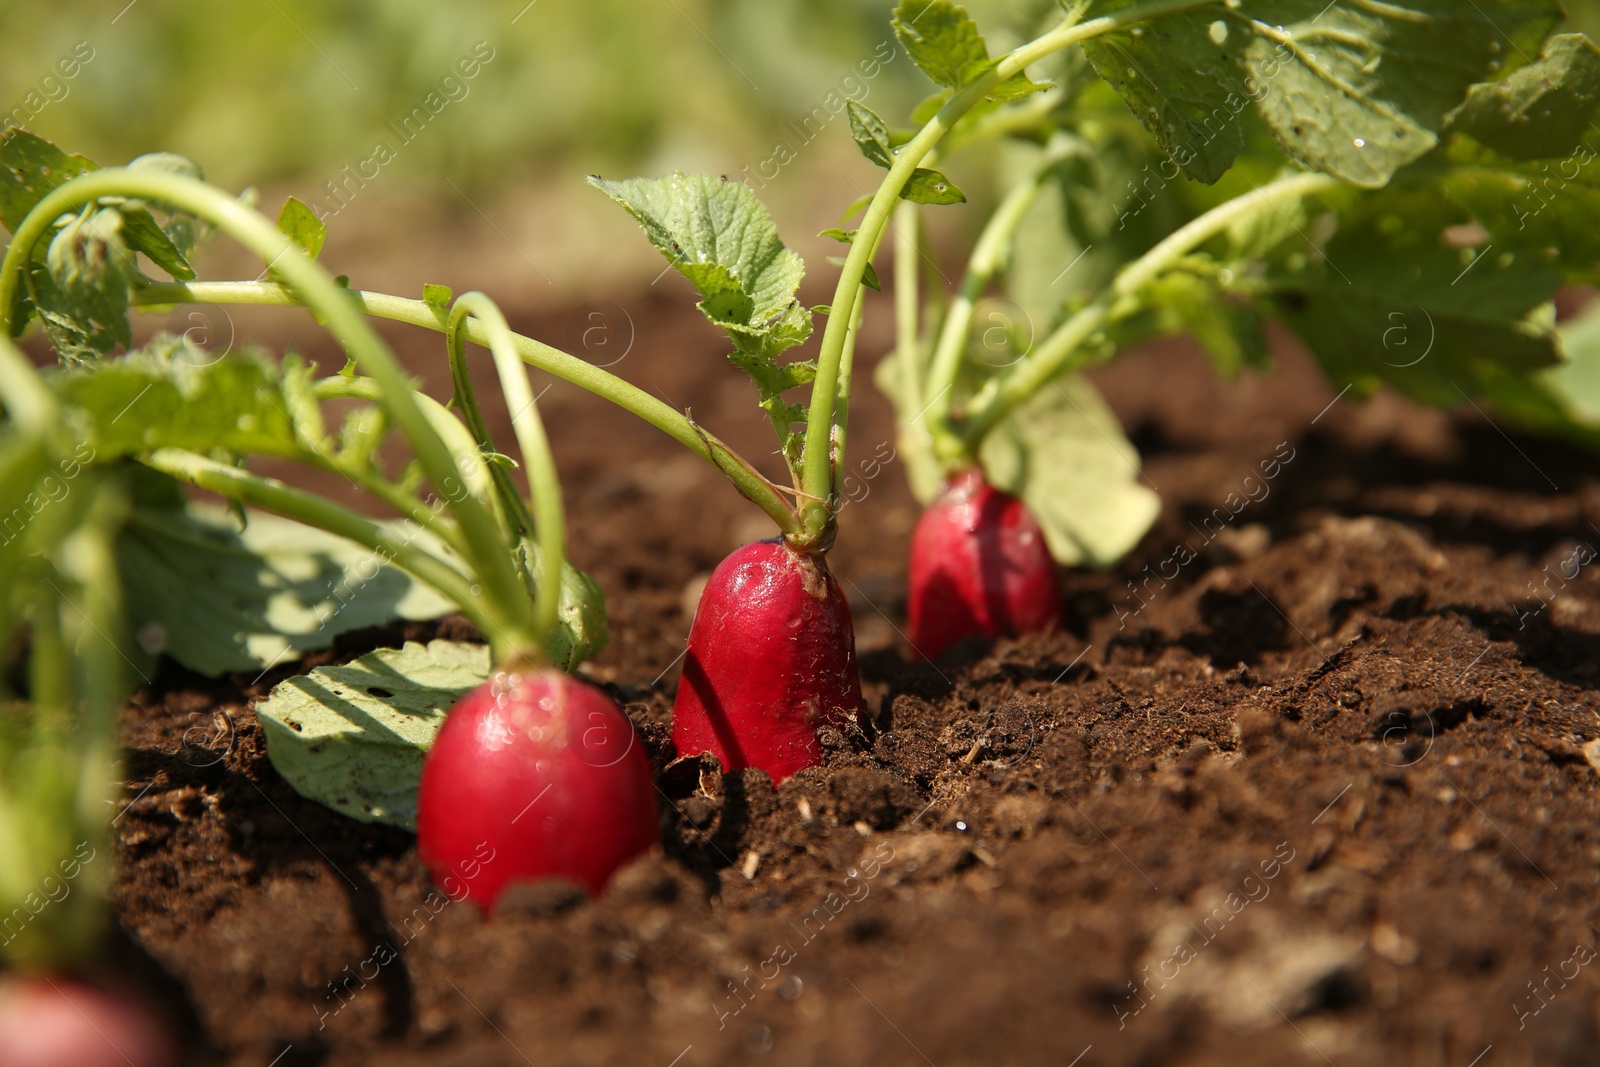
{"points": [[1318, 795]]}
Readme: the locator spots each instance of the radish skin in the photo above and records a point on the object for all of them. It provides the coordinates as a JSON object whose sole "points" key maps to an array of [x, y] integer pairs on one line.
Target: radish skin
{"points": [[771, 659], [533, 775], [59, 1022], [979, 566]]}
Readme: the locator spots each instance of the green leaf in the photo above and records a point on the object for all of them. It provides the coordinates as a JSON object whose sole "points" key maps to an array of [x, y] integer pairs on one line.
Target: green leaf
{"points": [[30, 167], [581, 630], [1393, 302], [1563, 400], [869, 276], [353, 737], [1540, 111], [171, 395], [144, 234], [870, 134], [1549, 210], [1065, 455], [931, 187], [1229, 332], [301, 225], [718, 235], [90, 268], [944, 43], [79, 332], [182, 229], [1356, 90], [438, 297], [217, 599], [168, 163], [1575, 384]]}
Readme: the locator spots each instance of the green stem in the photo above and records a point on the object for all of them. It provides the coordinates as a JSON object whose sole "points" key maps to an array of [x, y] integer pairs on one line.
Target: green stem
{"points": [[273, 495], [816, 510], [543, 483], [490, 556], [104, 670], [585, 375], [988, 256], [907, 330], [1053, 356], [844, 389], [467, 401]]}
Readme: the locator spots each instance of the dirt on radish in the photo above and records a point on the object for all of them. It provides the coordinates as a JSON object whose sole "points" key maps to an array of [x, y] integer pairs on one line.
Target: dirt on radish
{"points": [[1319, 792]]}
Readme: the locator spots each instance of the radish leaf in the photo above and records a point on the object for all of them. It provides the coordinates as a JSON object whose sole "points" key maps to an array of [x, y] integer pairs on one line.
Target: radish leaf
{"points": [[438, 297], [870, 134], [944, 43], [718, 235], [171, 395], [1065, 455], [30, 167], [931, 187], [301, 225], [218, 599], [144, 234], [1390, 301], [353, 737], [925, 186], [89, 269], [1356, 90], [1550, 211], [1540, 111]]}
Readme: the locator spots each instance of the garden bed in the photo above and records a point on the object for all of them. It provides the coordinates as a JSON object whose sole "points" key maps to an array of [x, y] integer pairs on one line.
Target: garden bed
{"points": [[1317, 795]]}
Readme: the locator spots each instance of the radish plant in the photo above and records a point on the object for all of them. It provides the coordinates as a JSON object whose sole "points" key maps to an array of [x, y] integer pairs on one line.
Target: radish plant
{"points": [[1351, 170], [474, 538], [1404, 186]]}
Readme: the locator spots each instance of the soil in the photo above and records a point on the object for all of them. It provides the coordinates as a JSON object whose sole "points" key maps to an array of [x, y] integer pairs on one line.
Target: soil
{"points": [[1301, 784]]}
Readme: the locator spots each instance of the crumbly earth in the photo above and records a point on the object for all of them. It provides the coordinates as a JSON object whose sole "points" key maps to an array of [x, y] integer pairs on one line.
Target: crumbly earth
{"points": [[1302, 784]]}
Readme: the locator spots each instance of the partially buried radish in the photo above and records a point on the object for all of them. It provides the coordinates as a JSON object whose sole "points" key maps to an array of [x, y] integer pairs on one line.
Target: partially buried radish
{"points": [[533, 775], [59, 1022], [979, 566], [772, 658]]}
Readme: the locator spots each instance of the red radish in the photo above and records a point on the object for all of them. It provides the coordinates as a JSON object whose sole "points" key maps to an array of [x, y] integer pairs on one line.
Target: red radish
{"points": [[772, 657], [979, 565], [58, 1022], [533, 775]]}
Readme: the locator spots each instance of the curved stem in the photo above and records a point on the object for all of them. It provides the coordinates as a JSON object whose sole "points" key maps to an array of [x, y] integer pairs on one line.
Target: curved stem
{"points": [[273, 495], [490, 556], [569, 368], [1009, 390], [816, 512], [543, 483], [988, 255], [467, 400]]}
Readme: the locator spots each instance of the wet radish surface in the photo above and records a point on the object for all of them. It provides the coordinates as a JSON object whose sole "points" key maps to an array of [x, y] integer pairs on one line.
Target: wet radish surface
{"points": [[1305, 781]]}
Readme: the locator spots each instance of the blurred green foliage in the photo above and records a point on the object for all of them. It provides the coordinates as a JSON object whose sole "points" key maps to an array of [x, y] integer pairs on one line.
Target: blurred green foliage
{"points": [[269, 90]]}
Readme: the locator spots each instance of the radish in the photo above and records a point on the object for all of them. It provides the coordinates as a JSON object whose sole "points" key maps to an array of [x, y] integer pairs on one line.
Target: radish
{"points": [[59, 1022], [532, 776], [772, 657], [979, 565]]}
